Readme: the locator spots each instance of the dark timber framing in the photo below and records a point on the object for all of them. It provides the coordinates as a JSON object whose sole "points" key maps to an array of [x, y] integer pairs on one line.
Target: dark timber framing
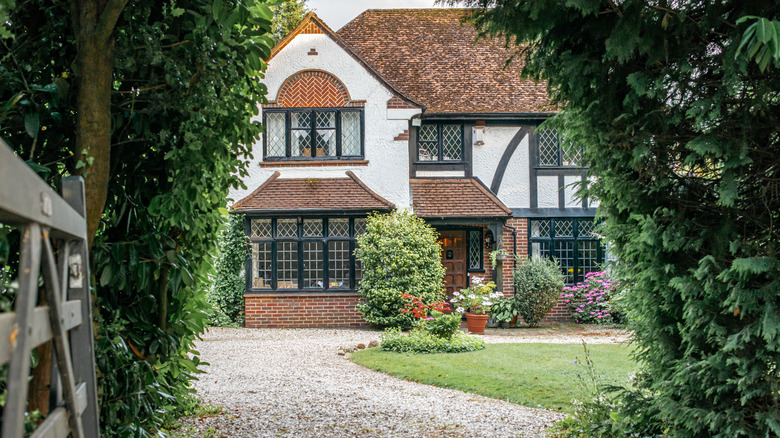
{"points": [[536, 170], [508, 152], [465, 165]]}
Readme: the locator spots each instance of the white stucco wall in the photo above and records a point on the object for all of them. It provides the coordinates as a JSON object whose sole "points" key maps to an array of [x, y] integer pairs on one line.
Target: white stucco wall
{"points": [[570, 189], [547, 187], [514, 191], [388, 170]]}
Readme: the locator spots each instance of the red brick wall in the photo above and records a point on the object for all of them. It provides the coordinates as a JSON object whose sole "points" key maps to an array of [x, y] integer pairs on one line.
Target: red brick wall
{"points": [[521, 224], [396, 102], [559, 313], [302, 310]]}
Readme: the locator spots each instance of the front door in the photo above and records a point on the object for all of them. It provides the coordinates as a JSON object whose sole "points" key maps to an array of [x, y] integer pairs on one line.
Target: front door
{"points": [[453, 257]]}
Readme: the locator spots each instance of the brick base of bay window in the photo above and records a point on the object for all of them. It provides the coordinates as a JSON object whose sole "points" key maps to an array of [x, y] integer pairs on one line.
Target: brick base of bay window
{"points": [[302, 310]]}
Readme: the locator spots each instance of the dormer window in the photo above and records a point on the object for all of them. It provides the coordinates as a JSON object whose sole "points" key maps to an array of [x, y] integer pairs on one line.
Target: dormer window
{"points": [[441, 142], [313, 133], [552, 153]]}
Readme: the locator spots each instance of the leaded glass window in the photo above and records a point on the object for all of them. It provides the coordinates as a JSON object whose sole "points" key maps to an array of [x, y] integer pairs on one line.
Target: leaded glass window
{"points": [[570, 240], [475, 250], [304, 254], [440, 142], [338, 264], [305, 133], [261, 265], [555, 151]]}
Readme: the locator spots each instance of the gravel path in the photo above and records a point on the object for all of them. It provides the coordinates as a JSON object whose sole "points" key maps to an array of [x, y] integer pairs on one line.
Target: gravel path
{"points": [[292, 383]]}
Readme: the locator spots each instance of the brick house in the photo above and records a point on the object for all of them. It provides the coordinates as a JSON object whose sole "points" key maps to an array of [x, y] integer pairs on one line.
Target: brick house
{"points": [[401, 109]]}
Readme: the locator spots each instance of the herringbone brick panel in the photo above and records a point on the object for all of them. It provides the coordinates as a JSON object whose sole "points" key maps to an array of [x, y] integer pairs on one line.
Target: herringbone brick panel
{"points": [[310, 89]]}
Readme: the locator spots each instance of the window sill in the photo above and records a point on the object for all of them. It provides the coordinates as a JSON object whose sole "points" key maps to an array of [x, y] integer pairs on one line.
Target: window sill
{"points": [[299, 293], [321, 163]]}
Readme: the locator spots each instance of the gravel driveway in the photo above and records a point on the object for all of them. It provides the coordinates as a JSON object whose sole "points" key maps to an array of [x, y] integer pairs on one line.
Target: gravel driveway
{"points": [[292, 383]]}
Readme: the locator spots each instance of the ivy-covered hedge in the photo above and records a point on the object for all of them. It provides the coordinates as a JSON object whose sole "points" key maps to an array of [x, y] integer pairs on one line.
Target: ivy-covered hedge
{"points": [[227, 295], [400, 254]]}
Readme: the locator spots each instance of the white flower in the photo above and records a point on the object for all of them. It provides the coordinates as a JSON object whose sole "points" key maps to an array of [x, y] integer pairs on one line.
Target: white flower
{"points": [[476, 280], [472, 296], [487, 303], [456, 294], [453, 300], [459, 310]]}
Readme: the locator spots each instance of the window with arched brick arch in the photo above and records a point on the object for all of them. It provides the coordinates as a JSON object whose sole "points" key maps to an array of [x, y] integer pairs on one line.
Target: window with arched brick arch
{"points": [[313, 118]]}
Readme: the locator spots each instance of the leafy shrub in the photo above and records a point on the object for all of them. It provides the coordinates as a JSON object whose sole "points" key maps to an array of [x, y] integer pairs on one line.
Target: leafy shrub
{"points": [[477, 298], [400, 254], [538, 284], [442, 325], [591, 301], [502, 310], [421, 341], [227, 295]]}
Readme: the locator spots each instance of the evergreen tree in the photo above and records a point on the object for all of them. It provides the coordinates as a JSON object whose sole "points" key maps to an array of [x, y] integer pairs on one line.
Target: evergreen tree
{"points": [[287, 15], [227, 295], [678, 106]]}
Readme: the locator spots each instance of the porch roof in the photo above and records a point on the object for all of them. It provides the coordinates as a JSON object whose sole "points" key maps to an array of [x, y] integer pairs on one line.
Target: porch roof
{"points": [[312, 194], [455, 197]]}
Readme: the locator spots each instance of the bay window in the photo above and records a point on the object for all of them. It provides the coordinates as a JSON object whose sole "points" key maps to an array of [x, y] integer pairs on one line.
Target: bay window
{"points": [[304, 254]]}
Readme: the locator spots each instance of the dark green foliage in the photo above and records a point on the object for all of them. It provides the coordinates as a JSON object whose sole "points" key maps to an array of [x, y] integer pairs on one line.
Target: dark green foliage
{"points": [[400, 254], [227, 294], [185, 89], [682, 133], [443, 325], [538, 284], [421, 341]]}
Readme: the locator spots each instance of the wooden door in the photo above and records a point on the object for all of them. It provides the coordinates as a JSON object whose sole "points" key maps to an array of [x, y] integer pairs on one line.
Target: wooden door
{"points": [[453, 257]]}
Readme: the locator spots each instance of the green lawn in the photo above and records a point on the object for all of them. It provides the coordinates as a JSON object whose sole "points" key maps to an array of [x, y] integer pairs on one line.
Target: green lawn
{"points": [[537, 375]]}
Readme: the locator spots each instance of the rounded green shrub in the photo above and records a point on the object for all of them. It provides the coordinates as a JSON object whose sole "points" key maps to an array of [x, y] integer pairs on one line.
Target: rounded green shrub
{"points": [[538, 284], [442, 325], [399, 253]]}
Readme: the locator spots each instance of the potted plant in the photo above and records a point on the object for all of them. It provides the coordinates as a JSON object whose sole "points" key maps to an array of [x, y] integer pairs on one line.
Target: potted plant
{"points": [[476, 301], [503, 312]]}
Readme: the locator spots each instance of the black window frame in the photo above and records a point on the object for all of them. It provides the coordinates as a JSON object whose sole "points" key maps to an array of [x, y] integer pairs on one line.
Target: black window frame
{"points": [[551, 239], [560, 152], [440, 143], [312, 138], [301, 239], [481, 243]]}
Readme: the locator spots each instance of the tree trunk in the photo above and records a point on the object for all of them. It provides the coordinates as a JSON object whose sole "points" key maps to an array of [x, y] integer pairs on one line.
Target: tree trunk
{"points": [[94, 22]]}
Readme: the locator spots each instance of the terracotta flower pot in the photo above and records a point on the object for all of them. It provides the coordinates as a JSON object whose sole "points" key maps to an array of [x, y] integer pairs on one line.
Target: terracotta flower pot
{"points": [[476, 323]]}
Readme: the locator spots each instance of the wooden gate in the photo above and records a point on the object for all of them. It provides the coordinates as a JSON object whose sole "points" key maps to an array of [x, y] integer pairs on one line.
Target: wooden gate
{"points": [[47, 221]]}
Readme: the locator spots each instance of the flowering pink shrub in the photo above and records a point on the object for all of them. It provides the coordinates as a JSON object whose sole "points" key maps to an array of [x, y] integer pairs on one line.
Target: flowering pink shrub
{"points": [[590, 301]]}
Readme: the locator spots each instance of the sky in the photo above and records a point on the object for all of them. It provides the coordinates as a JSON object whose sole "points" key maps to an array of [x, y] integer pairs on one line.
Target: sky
{"points": [[337, 13]]}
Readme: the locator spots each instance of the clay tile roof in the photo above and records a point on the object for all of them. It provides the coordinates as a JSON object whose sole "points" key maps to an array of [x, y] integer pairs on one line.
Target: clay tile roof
{"points": [[431, 57], [455, 197], [313, 194]]}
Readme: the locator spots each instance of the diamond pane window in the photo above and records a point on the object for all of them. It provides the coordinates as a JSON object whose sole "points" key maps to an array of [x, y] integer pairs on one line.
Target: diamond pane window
{"points": [[326, 142], [578, 253], [286, 228], [572, 155], [312, 265], [350, 133], [313, 134], [261, 228], [312, 227], [301, 120], [360, 226], [564, 228], [440, 142], [452, 142], [276, 134], [301, 143], [585, 229], [475, 249], [338, 227], [326, 119], [261, 265], [549, 145], [540, 228], [338, 264], [287, 265]]}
